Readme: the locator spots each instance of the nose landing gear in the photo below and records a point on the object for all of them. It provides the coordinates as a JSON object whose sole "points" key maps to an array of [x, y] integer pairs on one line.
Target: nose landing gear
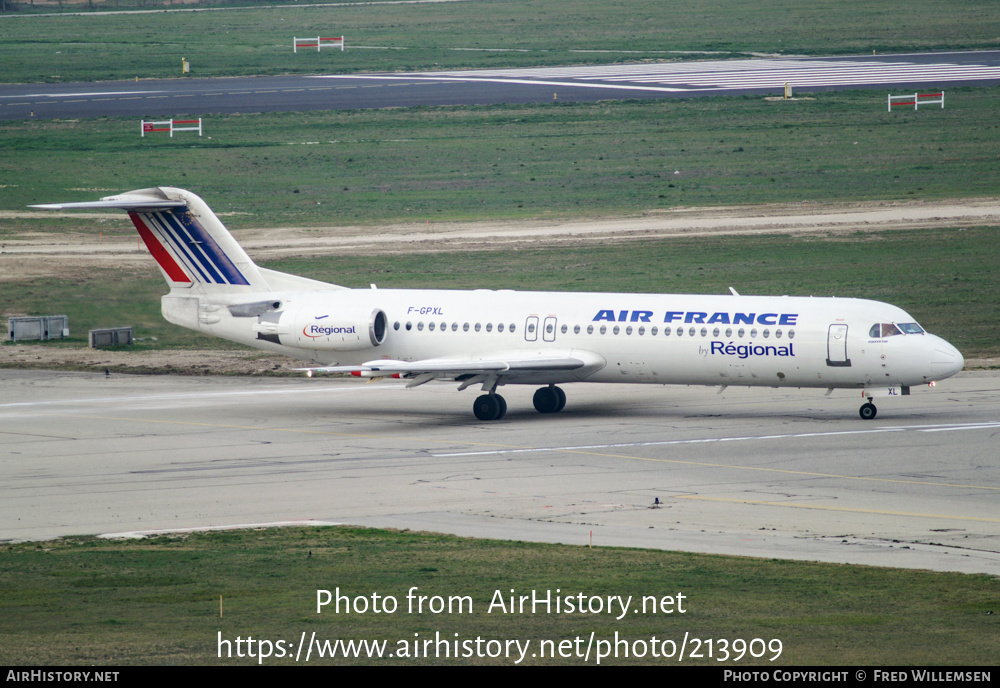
{"points": [[868, 410]]}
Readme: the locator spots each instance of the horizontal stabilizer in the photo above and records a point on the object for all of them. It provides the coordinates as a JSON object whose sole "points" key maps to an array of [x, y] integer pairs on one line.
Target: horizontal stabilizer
{"points": [[131, 204], [144, 199]]}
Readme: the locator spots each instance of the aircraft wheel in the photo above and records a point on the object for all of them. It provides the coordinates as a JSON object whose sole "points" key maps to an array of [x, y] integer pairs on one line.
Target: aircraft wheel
{"points": [[490, 407], [868, 411], [503, 406], [549, 399], [562, 399]]}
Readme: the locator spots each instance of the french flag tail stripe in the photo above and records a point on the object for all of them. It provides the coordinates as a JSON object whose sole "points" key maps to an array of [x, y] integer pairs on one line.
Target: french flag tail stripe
{"points": [[178, 249], [183, 241], [205, 246], [184, 249], [156, 249]]}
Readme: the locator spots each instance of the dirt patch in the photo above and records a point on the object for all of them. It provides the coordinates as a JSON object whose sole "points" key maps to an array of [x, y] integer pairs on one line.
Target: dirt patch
{"points": [[69, 254], [167, 361]]}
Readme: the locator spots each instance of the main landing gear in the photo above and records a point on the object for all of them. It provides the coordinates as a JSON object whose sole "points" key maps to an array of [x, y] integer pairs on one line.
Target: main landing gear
{"points": [[868, 410], [549, 399], [492, 406]]}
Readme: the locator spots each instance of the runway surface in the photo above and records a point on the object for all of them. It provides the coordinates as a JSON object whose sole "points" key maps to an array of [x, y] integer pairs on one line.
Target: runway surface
{"points": [[161, 98], [767, 473]]}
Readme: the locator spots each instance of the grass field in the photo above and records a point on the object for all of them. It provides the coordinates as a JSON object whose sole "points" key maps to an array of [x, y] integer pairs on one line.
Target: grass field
{"points": [[509, 162], [476, 33], [156, 601]]}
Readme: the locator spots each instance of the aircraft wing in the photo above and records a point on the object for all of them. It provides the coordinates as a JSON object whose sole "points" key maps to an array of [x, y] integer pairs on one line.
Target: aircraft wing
{"points": [[520, 367]]}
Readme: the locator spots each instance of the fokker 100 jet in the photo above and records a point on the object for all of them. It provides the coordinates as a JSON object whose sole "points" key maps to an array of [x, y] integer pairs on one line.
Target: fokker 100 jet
{"points": [[492, 338]]}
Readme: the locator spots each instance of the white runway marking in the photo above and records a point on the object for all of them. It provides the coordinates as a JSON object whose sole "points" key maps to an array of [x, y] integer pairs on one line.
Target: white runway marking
{"points": [[745, 438], [77, 95], [528, 82], [733, 74]]}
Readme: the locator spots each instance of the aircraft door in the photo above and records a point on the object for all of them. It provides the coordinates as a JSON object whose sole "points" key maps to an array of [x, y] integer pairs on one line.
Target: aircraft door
{"points": [[836, 346], [549, 329], [531, 329]]}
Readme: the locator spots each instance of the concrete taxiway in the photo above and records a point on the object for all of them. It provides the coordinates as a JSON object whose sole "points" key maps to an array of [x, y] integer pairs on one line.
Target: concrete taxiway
{"points": [[758, 472]]}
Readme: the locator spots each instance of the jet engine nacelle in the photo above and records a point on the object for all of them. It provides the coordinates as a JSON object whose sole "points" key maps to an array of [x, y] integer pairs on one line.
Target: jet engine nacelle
{"points": [[342, 330]]}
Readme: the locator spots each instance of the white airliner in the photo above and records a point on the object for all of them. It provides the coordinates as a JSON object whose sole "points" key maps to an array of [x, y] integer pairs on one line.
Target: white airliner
{"points": [[492, 338]]}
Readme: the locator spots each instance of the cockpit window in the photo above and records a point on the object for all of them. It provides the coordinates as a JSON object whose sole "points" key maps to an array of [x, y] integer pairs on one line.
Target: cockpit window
{"points": [[892, 329]]}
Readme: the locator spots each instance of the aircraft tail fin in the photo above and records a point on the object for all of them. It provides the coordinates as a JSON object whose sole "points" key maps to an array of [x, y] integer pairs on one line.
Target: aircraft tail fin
{"points": [[188, 241]]}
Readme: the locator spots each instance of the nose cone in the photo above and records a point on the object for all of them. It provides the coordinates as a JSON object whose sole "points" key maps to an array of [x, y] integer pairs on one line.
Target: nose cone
{"points": [[945, 359]]}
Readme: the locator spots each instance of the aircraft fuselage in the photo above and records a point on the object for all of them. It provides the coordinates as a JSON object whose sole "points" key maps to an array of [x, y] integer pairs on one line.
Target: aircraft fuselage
{"points": [[642, 338]]}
